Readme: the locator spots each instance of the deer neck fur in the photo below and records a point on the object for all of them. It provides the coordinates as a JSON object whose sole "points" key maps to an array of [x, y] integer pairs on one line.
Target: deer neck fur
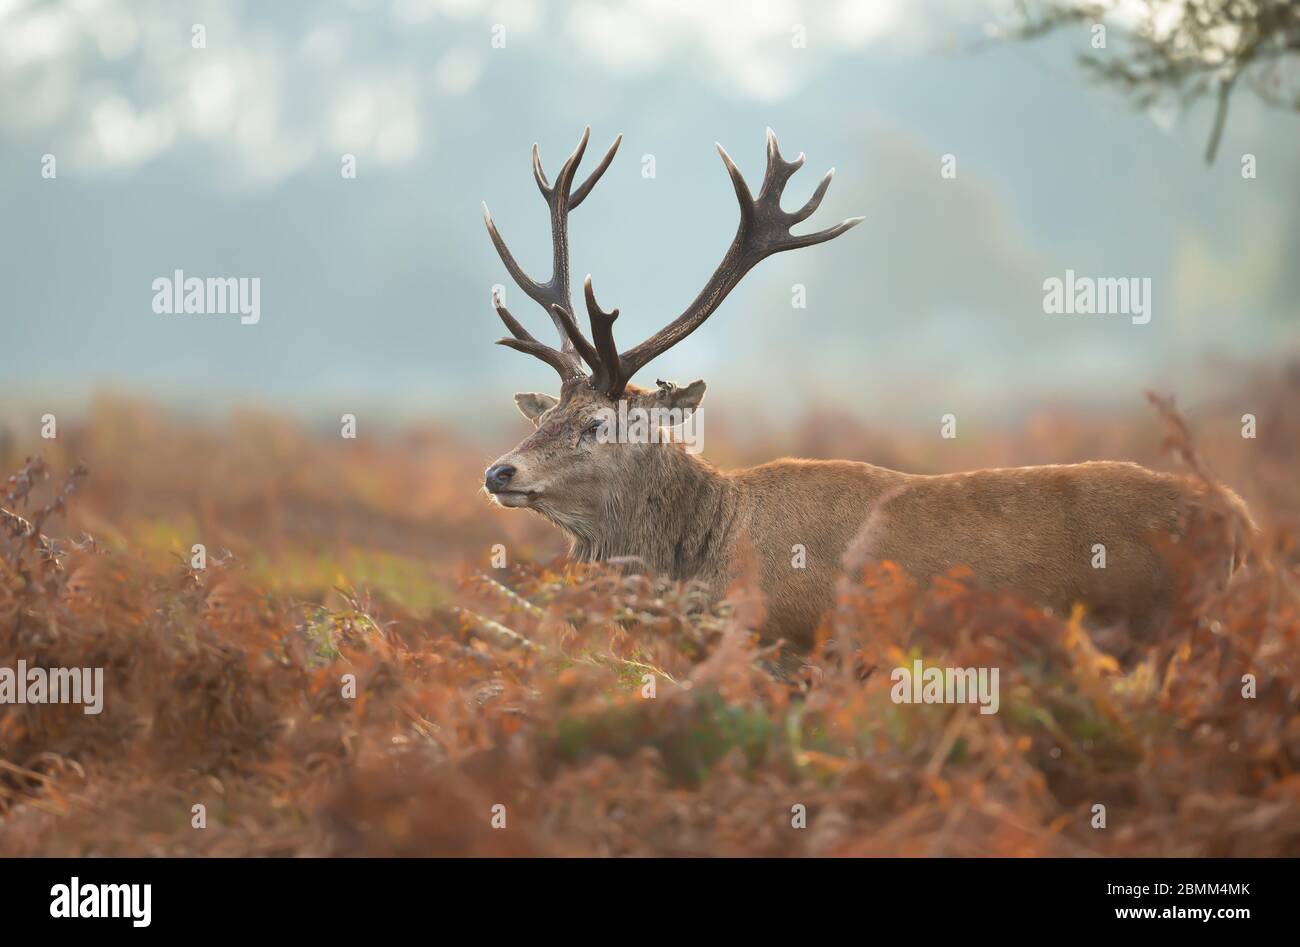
{"points": [[677, 515]]}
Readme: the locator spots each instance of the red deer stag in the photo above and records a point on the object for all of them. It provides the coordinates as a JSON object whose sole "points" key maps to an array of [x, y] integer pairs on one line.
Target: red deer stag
{"points": [[1032, 530]]}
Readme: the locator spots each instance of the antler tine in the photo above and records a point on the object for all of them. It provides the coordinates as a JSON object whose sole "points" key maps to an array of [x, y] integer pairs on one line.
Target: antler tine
{"points": [[566, 363], [585, 187], [580, 194], [569, 325], [513, 324], [764, 229], [743, 197], [567, 367], [830, 233], [610, 375], [564, 180], [529, 285], [803, 213], [539, 175], [779, 171]]}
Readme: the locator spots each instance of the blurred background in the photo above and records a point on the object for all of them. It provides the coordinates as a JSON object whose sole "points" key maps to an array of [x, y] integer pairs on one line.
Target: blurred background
{"points": [[226, 161]]}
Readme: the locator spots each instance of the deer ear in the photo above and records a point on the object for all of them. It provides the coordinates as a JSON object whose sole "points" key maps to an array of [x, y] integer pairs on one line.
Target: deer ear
{"points": [[686, 398], [533, 404]]}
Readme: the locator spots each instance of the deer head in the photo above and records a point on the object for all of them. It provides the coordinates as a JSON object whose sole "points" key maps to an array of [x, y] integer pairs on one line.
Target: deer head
{"points": [[568, 468]]}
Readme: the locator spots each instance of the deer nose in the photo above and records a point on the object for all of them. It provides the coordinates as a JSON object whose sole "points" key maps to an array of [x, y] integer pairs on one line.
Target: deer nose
{"points": [[497, 477]]}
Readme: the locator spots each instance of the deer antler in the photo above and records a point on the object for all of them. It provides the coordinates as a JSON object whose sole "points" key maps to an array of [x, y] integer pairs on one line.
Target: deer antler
{"points": [[553, 295], [764, 229]]}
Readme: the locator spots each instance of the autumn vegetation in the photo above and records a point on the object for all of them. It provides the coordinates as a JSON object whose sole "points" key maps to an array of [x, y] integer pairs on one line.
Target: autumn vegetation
{"points": [[527, 686]]}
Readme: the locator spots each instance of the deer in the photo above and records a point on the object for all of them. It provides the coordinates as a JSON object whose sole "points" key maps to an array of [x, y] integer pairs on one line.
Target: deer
{"points": [[1033, 531]]}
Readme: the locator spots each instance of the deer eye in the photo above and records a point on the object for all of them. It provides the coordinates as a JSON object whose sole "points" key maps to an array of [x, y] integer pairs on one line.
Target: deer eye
{"points": [[592, 428]]}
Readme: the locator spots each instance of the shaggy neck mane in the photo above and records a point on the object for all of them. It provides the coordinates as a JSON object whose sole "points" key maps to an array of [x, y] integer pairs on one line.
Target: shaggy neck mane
{"points": [[675, 515]]}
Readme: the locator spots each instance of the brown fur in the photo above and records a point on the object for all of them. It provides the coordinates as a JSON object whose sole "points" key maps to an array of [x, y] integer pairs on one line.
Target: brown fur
{"points": [[1027, 529]]}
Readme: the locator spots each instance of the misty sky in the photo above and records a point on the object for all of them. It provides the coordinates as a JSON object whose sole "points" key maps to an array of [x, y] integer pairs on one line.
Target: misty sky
{"points": [[225, 161]]}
